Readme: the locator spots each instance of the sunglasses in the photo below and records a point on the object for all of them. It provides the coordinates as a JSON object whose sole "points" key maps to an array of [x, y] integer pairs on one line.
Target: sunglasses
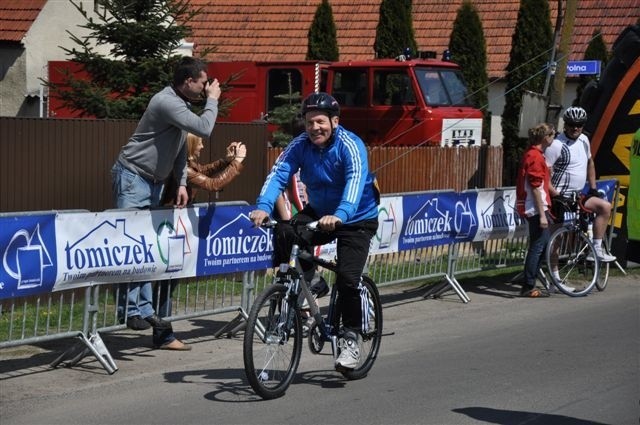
{"points": [[574, 124]]}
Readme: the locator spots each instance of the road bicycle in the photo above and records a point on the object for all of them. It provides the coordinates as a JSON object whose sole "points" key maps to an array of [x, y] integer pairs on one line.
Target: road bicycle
{"points": [[571, 253], [274, 332]]}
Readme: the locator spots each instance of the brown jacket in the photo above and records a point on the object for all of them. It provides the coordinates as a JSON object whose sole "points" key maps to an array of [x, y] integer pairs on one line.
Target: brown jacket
{"points": [[211, 177]]}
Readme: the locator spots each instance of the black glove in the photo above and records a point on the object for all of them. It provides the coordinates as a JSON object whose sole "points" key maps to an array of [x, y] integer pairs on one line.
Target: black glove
{"points": [[595, 192]]}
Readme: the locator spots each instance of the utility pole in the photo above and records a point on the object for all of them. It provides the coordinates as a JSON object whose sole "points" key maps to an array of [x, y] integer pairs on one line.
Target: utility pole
{"points": [[565, 22]]}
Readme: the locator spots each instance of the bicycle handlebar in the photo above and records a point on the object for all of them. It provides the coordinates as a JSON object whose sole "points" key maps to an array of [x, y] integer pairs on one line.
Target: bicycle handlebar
{"points": [[314, 226]]}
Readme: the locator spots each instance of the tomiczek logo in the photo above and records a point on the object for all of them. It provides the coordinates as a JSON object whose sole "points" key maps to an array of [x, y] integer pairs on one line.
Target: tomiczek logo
{"points": [[23, 251], [429, 220], [233, 244], [106, 249]]}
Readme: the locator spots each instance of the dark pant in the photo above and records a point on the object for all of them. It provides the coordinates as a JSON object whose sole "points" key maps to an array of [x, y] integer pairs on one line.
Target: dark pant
{"points": [[162, 294], [538, 239], [353, 242]]}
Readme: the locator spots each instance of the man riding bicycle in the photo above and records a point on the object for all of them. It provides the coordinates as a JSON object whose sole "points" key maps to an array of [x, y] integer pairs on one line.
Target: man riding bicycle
{"points": [[343, 199], [569, 158]]}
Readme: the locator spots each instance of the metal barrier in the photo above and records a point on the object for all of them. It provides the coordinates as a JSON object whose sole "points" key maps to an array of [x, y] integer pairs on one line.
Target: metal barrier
{"points": [[83, 313]]}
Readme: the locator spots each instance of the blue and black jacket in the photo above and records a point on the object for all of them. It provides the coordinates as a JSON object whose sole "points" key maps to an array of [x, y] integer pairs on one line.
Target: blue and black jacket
{"points": [[336, 177]]}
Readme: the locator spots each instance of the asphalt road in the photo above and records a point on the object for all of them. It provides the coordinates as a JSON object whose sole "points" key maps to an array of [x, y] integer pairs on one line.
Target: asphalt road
{"points": [[499, 359]]}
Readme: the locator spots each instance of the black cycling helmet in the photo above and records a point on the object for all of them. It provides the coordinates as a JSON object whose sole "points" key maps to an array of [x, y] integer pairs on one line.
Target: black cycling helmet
{"points": [[575, 115], [321, 102]]}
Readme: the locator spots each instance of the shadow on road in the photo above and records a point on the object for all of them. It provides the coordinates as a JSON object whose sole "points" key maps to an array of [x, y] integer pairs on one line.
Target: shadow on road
{"points": [[517, 417]]}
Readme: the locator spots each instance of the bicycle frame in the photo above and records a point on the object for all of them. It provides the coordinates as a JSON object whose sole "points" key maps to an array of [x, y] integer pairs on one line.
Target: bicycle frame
{"points": [[326, 327]]}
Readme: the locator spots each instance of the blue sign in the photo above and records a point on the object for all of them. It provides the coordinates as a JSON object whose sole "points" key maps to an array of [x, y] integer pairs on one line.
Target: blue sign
{"points": [[583, 67], [28, 251], [228, 241]]}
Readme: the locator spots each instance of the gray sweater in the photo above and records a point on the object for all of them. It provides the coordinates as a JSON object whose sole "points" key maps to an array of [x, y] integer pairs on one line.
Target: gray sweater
{"points": [[158, 145]]}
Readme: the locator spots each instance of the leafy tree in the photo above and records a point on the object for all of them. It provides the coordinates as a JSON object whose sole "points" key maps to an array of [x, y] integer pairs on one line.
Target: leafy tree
{"points": [[530, 44], [322, 36], [395, 31], [142, 36], [469, 50], [596, 50]]}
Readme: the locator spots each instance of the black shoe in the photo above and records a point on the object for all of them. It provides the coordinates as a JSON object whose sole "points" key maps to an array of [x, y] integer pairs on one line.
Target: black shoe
{"points": [[157, 322], [137, 323], [319, 287]]}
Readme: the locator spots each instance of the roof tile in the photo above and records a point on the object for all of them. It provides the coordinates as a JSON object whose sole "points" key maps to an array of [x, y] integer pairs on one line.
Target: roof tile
{"points": [[16, 17], [267, 23], [277, 29]]}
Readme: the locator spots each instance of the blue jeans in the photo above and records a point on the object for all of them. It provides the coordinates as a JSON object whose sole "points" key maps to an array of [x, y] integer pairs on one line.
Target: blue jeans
{"points": [[130, 190], [162, 294], [538, 239]]}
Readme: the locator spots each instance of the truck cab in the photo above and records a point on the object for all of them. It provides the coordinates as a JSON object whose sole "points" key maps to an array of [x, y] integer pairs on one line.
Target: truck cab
{"points": [[405, 103], [387, 102]]}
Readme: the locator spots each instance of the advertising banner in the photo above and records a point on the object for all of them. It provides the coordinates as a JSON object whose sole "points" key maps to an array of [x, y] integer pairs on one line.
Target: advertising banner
{"points": [[428, 220], [28, 252], [45, 252], [228, 242]]}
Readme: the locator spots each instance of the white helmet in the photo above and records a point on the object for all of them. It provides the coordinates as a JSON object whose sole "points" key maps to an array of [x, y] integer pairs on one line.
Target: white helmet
{"points": [[575, 114]]}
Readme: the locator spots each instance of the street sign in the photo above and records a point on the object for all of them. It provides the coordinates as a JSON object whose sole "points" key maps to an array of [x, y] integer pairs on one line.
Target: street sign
{"points": [[583, 68]]}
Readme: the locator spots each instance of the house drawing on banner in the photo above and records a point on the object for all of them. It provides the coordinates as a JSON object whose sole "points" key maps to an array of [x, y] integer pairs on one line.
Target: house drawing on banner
{"points": [[26, 257]]}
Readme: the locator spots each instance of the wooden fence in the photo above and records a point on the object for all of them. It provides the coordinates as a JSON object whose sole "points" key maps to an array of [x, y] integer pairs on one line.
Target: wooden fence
{"points": [[61, 164]]}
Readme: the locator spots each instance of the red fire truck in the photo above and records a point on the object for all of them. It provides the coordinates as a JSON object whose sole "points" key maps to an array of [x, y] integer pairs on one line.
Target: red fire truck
{"points": [[385, 101]]}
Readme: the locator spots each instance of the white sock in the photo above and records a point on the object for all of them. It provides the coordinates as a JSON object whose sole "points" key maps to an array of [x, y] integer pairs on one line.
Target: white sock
{"points": [[597, 244]]}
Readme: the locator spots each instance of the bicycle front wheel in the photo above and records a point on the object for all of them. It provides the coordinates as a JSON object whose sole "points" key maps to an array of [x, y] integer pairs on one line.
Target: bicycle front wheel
{"points": [[372, 336], [272, 343], [572, 262]]}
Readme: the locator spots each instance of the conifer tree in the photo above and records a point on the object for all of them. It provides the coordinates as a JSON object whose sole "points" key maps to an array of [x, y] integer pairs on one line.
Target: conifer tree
{"points": [[596, 50], [322, 36], [469, 50], [395, 31], [530, 45], [142, 36]]}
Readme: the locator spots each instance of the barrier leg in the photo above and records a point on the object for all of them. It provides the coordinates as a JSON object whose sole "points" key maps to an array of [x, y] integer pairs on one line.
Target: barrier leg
{"points": [[238, 323], [234, 326], [450, 279], [436, 290], [78, 351]]}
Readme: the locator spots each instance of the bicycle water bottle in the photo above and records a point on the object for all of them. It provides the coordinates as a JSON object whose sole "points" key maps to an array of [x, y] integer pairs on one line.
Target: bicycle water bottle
{"points": [[590, 230]]}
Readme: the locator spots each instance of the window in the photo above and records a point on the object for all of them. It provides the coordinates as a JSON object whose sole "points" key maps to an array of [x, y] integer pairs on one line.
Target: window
{"points": [[281, 83], [350, 87], [443, 87], [392, 88]]}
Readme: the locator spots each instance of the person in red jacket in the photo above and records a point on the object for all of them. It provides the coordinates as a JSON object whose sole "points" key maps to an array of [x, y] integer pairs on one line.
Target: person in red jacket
{"points": [[533, 193]]}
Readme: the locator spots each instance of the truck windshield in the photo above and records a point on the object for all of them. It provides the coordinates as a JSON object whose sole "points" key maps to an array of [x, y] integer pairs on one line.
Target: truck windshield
{"points": [[443, 87]]}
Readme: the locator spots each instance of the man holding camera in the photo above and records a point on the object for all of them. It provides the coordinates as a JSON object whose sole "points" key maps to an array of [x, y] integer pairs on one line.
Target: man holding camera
{"points": [[569, 158], [156, 148]]}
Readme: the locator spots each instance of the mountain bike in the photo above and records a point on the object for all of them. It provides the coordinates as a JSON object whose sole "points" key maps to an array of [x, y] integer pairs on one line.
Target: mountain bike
{"points": [[571, 253], [274, 333]]}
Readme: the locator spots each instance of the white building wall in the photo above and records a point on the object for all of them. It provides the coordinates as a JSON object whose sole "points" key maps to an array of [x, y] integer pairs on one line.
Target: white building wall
{"points": [[41, 44], [496, 106]]}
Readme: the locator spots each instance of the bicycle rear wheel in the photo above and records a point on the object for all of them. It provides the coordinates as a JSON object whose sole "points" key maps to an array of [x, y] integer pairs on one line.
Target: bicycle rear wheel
{"points": [[371, 338], [272, 343], [572, 262], [603, 272]]}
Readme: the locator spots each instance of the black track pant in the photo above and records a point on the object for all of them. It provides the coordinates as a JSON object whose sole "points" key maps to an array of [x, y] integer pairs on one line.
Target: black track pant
{"points": [[353, 242]]}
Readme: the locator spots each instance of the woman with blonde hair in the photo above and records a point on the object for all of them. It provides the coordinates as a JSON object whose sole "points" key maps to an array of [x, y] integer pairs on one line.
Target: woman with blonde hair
{"points": [[212, 177]]}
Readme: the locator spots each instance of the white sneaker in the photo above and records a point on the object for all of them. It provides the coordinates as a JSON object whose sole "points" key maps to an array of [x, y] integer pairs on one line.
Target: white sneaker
{"points": [[566, 287], [349, 351], [603, 257]]}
